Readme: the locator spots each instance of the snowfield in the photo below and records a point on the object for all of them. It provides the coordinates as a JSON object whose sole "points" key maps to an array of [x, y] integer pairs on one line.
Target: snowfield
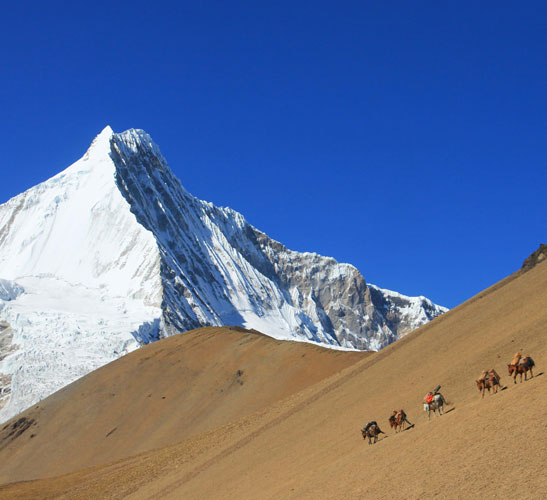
{"points": [[63, 331]]}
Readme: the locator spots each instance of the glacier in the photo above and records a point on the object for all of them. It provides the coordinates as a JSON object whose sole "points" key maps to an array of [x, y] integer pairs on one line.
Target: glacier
{"points": [[113, 253]]}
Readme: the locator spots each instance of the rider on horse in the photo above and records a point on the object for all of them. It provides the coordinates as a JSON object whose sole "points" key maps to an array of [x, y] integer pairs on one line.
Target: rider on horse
{"points": [[428, 398]]}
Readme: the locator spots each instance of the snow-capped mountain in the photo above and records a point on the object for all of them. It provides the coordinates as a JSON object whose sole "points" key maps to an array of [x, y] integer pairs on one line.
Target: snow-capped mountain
{"points": [[113, 253]]}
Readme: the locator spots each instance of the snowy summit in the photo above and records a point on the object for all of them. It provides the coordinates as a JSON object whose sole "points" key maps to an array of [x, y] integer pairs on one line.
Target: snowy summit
{"points": [[113, 253]]}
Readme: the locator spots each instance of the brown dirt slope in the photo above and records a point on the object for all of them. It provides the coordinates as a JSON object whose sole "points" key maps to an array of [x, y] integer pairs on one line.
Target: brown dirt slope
{"points": [[158, 395], [308, 444]]}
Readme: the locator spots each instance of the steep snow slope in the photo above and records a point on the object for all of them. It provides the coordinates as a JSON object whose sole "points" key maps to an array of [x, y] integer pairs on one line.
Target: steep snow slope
{"points": [[113, 253], [90, 275], [78, 227], [218, 269]]}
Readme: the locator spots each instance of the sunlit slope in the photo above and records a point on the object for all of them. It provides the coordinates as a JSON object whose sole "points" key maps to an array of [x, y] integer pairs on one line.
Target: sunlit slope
{"points": [[165, 392], [482, 449], [309, 445]]}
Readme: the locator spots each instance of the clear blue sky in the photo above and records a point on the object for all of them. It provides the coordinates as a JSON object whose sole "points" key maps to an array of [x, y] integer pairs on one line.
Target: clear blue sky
{"points": [[406, 138]]}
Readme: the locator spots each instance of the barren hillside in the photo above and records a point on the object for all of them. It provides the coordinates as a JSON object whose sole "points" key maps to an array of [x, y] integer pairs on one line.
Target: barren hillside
{"points": [[158, 395], [305, 442]]}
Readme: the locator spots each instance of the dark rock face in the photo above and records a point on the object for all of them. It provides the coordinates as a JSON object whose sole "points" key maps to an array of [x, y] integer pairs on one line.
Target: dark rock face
{"points": [[538, 256], [12, 431]]}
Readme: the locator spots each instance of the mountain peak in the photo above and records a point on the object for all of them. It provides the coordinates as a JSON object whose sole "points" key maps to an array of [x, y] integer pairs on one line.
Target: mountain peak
{"points": [[101, 144], [132, 141]]}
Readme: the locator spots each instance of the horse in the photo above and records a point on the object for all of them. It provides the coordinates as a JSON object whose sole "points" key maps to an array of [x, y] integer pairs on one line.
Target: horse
{"points": [[437, 404], [372, 433], [489, 380], [489, 383], [398, 420], [526, 365]]}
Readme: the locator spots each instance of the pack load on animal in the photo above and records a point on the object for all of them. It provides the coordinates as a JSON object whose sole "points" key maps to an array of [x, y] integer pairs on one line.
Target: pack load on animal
{"points": [[369, 425], [516, 359], [489, 374]]}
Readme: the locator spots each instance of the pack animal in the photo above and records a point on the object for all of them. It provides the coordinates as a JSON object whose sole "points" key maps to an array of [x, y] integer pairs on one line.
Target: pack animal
{"points": [[490, 380], [393, 423], [372, 433], [437, 404], [488, 384], [525, 366], [398, 420]]}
